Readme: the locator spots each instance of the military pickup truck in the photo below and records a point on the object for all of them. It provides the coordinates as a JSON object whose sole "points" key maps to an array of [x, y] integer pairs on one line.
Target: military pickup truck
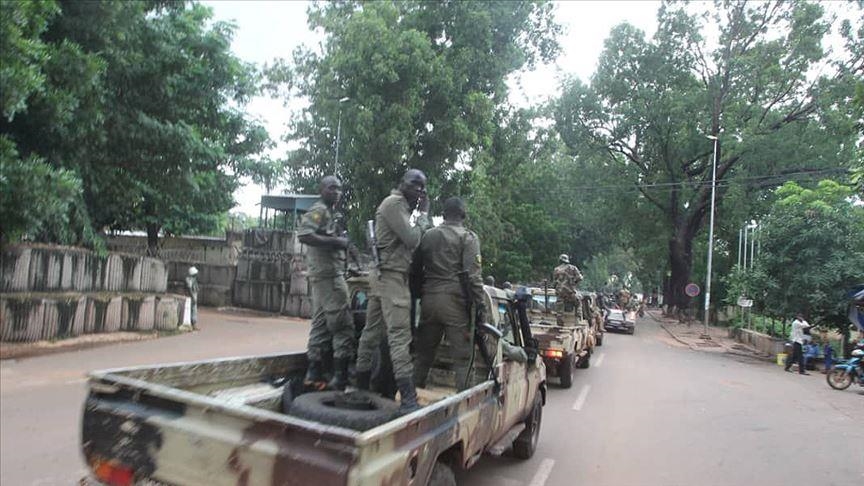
{"points": [[220, 422], [565, 339]]}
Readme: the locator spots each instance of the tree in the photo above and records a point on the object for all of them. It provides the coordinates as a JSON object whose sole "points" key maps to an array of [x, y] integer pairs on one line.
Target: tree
{"points": [[39, 200], [813, 252], [651, 103], [422, 82], [143, 103]]}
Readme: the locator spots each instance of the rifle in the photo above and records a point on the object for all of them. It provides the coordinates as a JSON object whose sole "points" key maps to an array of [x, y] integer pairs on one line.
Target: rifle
{"points": [[474, 314]]}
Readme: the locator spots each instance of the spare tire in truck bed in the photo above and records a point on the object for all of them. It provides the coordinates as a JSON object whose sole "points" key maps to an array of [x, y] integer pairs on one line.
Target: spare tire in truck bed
{"points": [[358, 410]]}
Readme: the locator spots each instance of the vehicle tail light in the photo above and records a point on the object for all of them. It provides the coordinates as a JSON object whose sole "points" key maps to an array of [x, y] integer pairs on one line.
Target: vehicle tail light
{"points": [[553, 353], [113, 473]]}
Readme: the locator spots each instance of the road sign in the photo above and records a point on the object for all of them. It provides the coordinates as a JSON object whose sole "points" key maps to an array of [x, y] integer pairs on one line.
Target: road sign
{"points": [[745, 302], [692, 290]]}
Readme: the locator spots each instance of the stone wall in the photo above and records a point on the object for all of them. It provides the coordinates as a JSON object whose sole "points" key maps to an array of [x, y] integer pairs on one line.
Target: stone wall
{"points": [[50, 292], [764, 343], [190, 249]]}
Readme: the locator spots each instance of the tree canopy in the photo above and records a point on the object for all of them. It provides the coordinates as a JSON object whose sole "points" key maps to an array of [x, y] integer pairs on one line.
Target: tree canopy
{"points": [[142, 102], [652, 102]]}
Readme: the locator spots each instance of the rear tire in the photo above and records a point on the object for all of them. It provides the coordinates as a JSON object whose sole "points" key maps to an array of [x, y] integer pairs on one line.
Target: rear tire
{"points": [[526, 444], [442, 475], [839, 379], [565, 372], [585, 363], [600, 339]]}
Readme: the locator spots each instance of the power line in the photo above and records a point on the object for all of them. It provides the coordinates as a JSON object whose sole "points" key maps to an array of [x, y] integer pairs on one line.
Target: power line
{"points": [[720, 182]]}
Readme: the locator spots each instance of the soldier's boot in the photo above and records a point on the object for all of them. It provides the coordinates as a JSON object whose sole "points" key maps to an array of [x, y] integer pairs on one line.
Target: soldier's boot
{"points": [[314, 375], [362, 379], [340, 375], [407, 395]]}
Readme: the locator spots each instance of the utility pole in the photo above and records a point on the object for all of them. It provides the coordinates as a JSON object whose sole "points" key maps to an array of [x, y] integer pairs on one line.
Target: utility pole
{"points": [[339, 136], [710, 239], [740, 236]]}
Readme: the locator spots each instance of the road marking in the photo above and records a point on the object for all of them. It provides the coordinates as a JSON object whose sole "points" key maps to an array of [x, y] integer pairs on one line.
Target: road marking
{"points": [[599, 360], [583, 394], [542, 473]]}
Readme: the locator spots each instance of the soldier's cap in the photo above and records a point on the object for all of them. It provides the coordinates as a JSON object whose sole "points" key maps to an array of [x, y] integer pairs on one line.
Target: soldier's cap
{"points": [[564, 258]]}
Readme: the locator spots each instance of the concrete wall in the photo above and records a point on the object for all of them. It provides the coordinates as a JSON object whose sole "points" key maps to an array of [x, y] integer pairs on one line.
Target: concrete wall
{"points": [[271, 274], [215, 282], [189, 249], [762, 342], [51, 292], [35, 317], [45, 268]]}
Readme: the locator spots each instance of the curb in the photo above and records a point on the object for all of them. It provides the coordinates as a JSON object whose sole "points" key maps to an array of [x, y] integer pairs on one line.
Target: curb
{"points": [[685, 343]]}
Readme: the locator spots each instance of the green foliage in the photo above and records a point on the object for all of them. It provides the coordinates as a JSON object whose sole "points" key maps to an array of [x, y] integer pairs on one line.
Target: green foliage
{"points": [[142, 101], [813, 251], [41, 203], [424, 80], [23, 54], [651, 102]]}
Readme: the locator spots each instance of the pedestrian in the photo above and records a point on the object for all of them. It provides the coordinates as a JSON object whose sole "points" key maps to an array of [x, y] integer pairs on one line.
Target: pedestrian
{"points": [[388, 312], [192, 288], [828, 353], [797, 338], [332, 326], [445, 252]]}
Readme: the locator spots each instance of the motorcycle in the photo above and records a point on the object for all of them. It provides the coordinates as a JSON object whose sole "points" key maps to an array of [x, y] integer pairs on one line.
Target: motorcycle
{"points": [[844, 373]]}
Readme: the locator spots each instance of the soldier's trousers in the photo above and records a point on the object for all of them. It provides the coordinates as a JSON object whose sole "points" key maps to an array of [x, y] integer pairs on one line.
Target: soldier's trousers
{"points": [[388, 315], [332, 326], [444, 314]]}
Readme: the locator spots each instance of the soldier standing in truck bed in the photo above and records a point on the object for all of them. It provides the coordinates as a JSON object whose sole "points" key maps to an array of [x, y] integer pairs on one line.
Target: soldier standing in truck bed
{"points": [[566, 278], [444, 252], [332, 326], [389, 309]]}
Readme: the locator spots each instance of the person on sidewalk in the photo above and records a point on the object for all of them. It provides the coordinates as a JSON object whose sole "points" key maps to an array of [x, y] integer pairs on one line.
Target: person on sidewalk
{"points": [[828, 352], [797, 338]]}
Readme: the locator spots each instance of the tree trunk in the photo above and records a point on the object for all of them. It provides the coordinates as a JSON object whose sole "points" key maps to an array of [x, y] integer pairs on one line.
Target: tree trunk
{"points": [[152, 239], [681, 264]]}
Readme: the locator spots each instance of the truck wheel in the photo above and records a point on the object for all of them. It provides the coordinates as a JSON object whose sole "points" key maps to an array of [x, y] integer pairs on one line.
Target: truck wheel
{"points": [[586, 361], [358, 410], [525, 445], [565, 372], [442, 475]]}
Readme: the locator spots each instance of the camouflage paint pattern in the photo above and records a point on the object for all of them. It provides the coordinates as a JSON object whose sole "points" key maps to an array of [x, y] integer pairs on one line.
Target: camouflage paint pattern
{"points": [[164, 423]]}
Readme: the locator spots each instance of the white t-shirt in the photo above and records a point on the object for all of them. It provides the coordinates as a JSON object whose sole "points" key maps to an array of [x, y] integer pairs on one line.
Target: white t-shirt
{"points": [[798, 327]]}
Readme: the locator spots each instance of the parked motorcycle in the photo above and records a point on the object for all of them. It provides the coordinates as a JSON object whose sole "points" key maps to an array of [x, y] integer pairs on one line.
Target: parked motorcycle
{"points": [[844, 373]]}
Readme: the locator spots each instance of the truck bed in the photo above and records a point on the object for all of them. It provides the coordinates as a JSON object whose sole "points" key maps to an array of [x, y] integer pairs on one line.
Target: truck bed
{"points": [[218, 422]]}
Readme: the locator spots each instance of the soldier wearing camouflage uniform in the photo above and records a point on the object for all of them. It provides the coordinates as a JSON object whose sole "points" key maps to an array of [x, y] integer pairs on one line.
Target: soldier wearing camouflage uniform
{"points": [[566, 278], [389, 308], [444, 252], [332, 326]]}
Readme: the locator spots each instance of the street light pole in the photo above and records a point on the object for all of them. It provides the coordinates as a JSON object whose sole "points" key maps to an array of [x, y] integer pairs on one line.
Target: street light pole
{"points": [[339, 135], [710, 238]]}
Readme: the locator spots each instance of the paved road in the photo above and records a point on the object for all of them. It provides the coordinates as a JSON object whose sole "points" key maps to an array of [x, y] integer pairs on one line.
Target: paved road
{"points": [[41, 398], [648, 412]]}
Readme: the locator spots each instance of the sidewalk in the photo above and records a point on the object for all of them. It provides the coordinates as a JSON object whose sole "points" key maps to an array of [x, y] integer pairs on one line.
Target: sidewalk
{"points": [[693, 336]]}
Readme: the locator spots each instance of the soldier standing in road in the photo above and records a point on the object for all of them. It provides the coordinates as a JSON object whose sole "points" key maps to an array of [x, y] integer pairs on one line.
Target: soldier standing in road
{"points": [[444, 252], [566, 278], [332, 326], [388, 312]]}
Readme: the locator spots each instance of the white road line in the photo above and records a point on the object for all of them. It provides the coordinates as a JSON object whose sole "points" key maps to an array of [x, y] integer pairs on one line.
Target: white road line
{"points": [[599, 360], [542, 473], [582, 396]]}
